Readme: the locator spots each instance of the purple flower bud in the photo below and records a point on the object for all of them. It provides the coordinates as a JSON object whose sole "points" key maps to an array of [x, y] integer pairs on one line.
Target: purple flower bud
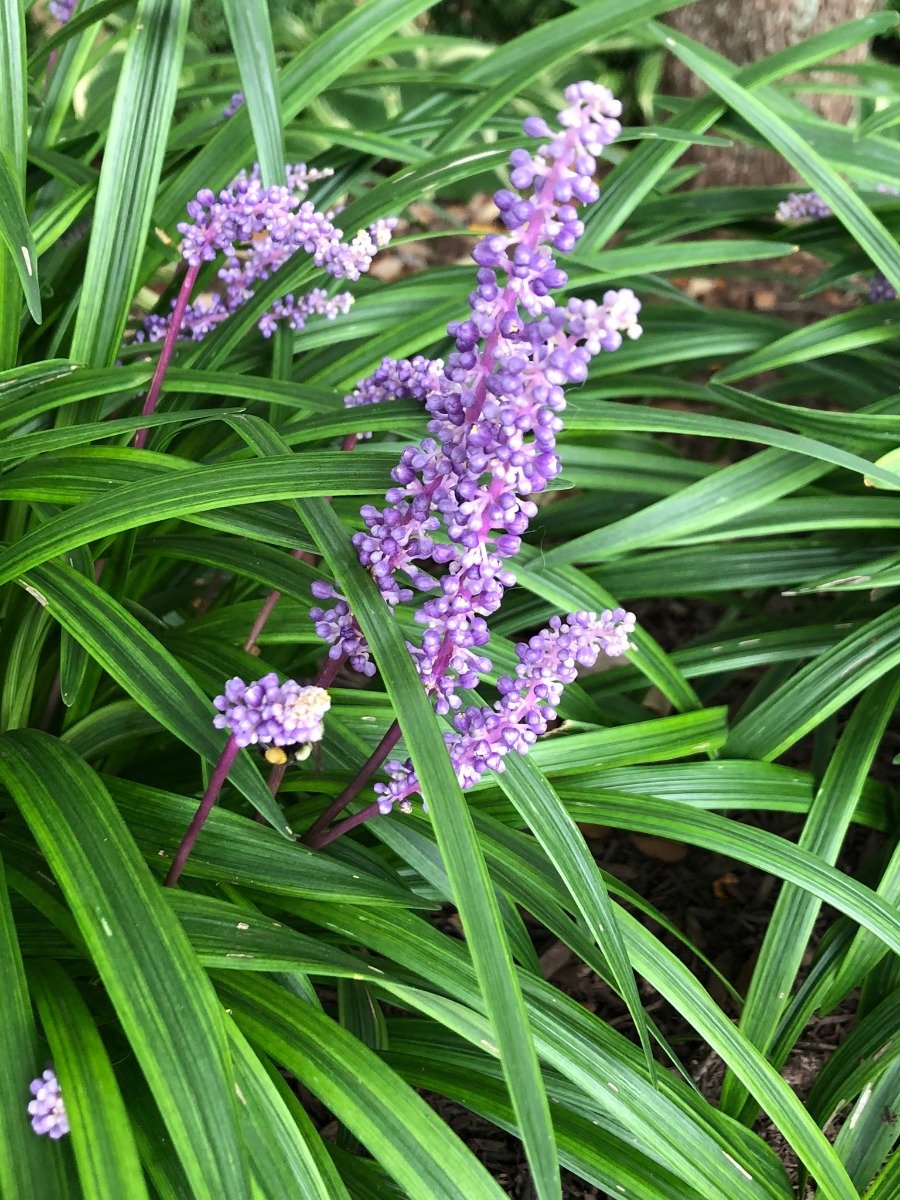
{"points": [[267, 712], [47, 1110]]}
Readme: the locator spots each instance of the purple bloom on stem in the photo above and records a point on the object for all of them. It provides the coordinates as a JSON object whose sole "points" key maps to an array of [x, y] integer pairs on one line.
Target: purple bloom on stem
{"points": [[495, 406], [802, 206], [880, 289], [398, 379], [482, 737], [62, 10], [270, 713], [47, 1110], [258, 229], [805, 206], [234, 104]]}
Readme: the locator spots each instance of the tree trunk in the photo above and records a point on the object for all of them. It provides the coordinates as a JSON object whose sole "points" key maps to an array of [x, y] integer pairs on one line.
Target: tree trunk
{"points": [[745, 31]]}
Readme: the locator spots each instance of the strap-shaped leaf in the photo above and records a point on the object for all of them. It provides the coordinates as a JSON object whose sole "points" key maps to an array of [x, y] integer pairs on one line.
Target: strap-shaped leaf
{"points": [[105, 1152], [160, 993], [30, 1169], [395, 1124], [132, 161], [251, 40], [15, 233]]}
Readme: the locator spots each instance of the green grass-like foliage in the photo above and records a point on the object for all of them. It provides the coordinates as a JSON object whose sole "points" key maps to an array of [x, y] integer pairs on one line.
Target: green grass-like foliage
{"points": [[728, 458]]}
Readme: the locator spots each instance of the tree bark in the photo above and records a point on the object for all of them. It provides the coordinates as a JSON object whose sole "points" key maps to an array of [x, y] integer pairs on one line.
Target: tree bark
{"points": [[745, 31]]}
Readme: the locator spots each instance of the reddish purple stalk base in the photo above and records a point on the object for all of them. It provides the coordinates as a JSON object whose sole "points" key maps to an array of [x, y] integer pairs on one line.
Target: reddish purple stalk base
{"points": [[219, 775], [345, 826], [315, 835], [168, 349]]}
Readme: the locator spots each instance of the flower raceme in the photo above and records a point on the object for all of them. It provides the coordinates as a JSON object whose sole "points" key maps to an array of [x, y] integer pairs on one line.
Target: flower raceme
{"points": [[62, 10], [462, 497], [810, 206], [482, 737], [258, 229], [47, 1110], [494, 407], [268, 713]]}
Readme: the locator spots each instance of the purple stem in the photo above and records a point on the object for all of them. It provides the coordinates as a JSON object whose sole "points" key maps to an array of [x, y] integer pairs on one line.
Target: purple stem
{"points": [[168, 348], [260, 623], [314, 835], [345, 826], [219, 775]]}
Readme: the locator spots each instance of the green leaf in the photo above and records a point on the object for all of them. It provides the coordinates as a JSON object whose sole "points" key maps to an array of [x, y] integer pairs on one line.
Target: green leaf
{"points": [[236, 850], [105, 1153], [161, 995], [251, 40], [132, 161], [889, 462], [883, 118], [750, 845], [791, 924], [146, 671], [191, 490], [16, 234], [232, 938], [395, 1125], [13, 140], [854, 214], [286, 1152], [625, 261], [30, 1169], [730, 492], [540, 809], [835, 335], [818, 690]]}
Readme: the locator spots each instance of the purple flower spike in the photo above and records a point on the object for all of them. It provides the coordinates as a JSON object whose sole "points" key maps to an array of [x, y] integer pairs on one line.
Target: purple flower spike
{"points": [[47, 1110], [880, 289], [803, 206], [462, 499], [62, 10], [807, 206], [482, 737], [398, 379], [270, 713], [258, 229], [234, 104]]}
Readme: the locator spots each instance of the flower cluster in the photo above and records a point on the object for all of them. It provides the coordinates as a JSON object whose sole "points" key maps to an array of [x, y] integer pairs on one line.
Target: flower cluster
{"points": [[236, 102], [47, 1110], [547, 662], [258, 229], [270, 713], [398, 379], [462, 496], [62, 9], [810, 206], [881, 289], [802, 206]]}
